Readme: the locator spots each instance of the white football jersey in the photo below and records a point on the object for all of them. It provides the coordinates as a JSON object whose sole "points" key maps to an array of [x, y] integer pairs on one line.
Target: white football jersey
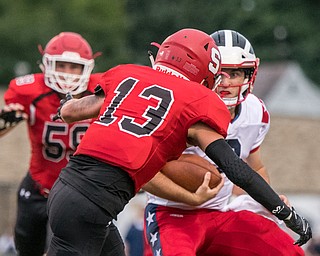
{"points": [[246, 132]]}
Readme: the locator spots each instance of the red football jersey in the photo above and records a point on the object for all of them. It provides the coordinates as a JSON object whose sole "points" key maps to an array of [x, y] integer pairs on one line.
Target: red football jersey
{"points": [[145, 117], [51, 142]]}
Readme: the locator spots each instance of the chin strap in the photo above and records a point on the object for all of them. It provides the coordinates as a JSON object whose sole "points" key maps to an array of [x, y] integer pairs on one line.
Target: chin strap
{"points": [[151, 58], [150, 53]]}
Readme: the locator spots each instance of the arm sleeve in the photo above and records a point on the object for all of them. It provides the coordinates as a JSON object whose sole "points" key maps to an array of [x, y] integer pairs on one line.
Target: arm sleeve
{"points": [[243, 176]]}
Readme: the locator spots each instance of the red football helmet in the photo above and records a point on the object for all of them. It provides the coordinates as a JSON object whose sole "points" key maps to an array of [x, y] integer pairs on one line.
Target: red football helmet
{"points": [[67, 47], [237, 52], [189, 53]]}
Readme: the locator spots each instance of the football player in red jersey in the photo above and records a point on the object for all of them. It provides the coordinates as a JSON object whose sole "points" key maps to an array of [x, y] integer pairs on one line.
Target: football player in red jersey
{"points": [[217, 227], [144, 118], [67, 64]]}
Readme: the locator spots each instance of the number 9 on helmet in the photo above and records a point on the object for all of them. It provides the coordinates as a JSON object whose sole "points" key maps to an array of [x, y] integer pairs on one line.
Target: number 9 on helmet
{"points": [[190, 54]]}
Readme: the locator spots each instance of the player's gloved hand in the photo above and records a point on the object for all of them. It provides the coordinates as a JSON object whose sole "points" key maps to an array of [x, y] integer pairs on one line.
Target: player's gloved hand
{"points": [[9, 118], [62, 102], [300, 226]]}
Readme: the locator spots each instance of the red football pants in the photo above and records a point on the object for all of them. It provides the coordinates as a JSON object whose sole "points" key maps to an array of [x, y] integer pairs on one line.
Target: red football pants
{"points": [[202, 232]]}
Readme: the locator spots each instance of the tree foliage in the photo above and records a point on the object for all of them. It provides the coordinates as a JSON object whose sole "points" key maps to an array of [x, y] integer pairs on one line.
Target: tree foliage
{"points": [[27, 23], [123, 30], [278, 30]]}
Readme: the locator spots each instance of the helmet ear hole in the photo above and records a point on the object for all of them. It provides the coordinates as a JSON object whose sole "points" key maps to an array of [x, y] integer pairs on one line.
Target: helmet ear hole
{"points": [[189, 56], [205, 83], [248, 72]]}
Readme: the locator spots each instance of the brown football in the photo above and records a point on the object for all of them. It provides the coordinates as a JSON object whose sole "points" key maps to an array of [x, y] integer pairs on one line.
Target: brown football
{"points": [[188, 171]]}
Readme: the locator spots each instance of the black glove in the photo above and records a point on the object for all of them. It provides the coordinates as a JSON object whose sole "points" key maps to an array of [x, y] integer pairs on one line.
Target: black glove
{"points": [[9, 119], [300, 226], [62, 102]]}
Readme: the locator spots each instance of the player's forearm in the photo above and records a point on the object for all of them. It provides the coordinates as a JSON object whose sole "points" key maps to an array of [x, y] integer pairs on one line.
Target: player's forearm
{"points": [[81, 109], [255, 162], [264, 174], [242, 175], [5, 131], [261, 171], [163, 187]]}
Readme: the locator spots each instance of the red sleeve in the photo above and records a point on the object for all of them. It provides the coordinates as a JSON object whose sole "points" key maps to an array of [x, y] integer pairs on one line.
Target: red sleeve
{"points": [[265, 114], [23, 89], [106, 78], [218, 116], [254, 150], [94, 81]]}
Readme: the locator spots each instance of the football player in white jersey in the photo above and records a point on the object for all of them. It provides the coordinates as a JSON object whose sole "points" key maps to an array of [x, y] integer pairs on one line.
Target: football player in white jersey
{"points": [[217, 227]]}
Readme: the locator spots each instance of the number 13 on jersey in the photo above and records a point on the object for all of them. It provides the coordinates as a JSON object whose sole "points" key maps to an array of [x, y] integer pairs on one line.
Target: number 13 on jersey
{"points": [[154, 116]]}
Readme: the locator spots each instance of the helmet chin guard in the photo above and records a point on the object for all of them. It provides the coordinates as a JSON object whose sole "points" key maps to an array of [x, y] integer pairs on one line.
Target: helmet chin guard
{"points": [[67, 47]]}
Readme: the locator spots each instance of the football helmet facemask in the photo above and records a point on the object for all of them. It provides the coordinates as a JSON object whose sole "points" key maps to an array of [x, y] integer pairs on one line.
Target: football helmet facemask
{"points": [[190, 54], [237, 52], [67, 47]]}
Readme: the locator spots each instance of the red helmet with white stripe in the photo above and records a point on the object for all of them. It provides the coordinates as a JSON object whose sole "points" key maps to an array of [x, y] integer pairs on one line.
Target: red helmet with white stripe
{"points": [[67, 47]]}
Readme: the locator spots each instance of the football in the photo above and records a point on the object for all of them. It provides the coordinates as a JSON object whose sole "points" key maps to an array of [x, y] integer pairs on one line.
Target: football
{"points": [[188, 171]]}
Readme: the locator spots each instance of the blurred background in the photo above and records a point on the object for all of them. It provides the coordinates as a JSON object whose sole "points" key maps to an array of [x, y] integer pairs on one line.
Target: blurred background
{"points": [[124, 29], [285, 36]]}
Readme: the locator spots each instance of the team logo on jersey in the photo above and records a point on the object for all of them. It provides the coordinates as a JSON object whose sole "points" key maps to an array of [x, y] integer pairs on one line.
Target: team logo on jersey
{"points": [[25, 80]]}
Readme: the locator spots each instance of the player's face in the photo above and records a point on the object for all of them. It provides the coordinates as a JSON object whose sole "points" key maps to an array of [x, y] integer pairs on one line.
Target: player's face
{"points": [[69, 67], [69, 71], [229, 86]]}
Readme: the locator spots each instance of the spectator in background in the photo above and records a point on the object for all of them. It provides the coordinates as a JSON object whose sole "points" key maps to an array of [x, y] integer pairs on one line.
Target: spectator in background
{"points": [[134, 244]]}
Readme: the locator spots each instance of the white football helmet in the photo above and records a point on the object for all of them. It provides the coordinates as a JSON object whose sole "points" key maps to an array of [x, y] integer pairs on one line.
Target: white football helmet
{"points": [[237, 52], [67, 47]]}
